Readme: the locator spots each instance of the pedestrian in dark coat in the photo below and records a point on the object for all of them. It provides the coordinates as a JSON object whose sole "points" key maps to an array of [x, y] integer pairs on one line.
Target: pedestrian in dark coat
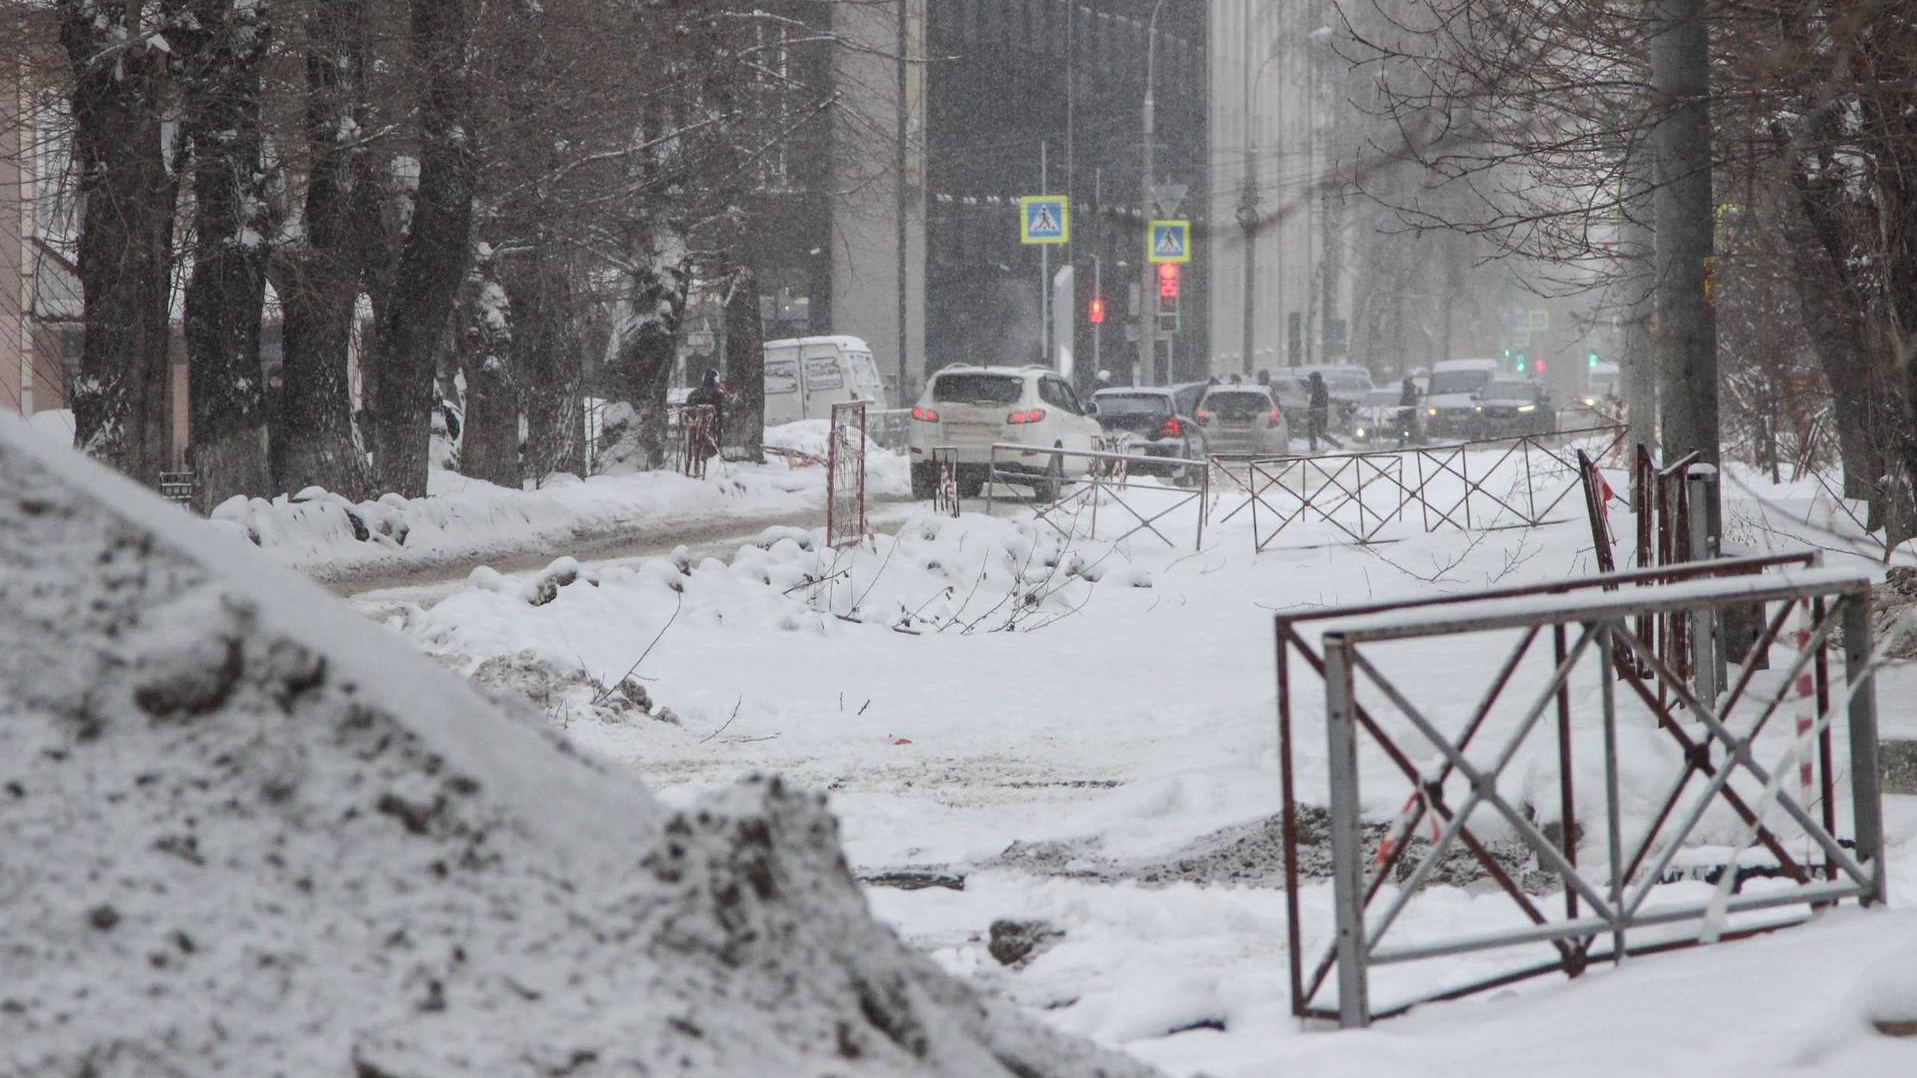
{"points": [[1407, 412], [1318, 419], [712, 395]]}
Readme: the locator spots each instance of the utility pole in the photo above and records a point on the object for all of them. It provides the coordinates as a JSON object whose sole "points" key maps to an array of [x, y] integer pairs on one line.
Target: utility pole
{"points": [[1045, 261], [1686, 337], [901, 200], [1147, 285]]}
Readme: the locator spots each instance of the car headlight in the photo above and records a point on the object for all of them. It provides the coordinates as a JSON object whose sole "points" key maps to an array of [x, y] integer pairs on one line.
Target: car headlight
{"points": [[1430, 411], [1527, 407], [1360, 432]]}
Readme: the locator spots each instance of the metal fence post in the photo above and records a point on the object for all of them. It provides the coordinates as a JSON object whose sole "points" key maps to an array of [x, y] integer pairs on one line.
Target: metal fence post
{"points": [[1347, 846], [1866, 780], [1707, 641], [991, 479]]}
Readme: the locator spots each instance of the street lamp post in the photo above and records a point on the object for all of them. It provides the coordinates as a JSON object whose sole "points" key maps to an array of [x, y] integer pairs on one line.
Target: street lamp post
{"points": [[1248, 209], [1147, 294]]}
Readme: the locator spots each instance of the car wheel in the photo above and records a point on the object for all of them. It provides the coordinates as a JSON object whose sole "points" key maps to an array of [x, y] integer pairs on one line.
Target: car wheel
{"points": [[970, 483], [924, 482]]}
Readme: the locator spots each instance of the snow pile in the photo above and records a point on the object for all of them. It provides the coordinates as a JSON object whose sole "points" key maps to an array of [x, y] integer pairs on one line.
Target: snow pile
{"points": [[246, 834], [465, 519]]}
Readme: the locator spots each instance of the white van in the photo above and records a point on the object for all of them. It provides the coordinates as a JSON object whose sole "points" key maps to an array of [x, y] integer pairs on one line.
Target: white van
{"points": [[806, 376], [1451, 397]]}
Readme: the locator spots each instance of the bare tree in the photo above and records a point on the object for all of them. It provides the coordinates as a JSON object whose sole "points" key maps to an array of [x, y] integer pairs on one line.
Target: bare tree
{"points": [[221, 94]]}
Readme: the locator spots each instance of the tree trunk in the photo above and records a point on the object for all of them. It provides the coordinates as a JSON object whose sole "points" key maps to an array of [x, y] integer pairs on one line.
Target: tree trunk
{"points": [[546, 350], [227, 291], [433, 257], [120, 85], [640, 371], [745, 365], [318, 282], [1686, 339], [1638, 369], [489, 449]]}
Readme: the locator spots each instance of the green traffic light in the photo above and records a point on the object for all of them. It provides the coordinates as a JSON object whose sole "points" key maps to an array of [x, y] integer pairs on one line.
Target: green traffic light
{"points": [[1592, 359]]}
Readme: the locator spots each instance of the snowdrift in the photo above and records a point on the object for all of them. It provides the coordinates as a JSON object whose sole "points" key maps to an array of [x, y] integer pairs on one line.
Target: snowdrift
{"points": [[462, 520], [245, 832]]}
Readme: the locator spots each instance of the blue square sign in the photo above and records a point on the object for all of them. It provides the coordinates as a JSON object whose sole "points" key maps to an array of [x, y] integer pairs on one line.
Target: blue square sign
{"points": [[1170, 241], [1044, 219]]}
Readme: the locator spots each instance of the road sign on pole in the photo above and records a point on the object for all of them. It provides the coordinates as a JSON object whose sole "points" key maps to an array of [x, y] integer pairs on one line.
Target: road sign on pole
{"points": [[1044, 219], [1168, 197], [1170, 241]]}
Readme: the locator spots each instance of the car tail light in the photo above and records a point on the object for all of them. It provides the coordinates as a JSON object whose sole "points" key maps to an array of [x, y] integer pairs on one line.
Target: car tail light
{"points": [[1036, 415], [1274, 419], [925, 415], [1172, 428], [1203, 416]]}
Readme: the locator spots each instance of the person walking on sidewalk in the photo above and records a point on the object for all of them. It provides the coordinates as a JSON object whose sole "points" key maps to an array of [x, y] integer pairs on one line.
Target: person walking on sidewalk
{"points": [[1318, 415]]}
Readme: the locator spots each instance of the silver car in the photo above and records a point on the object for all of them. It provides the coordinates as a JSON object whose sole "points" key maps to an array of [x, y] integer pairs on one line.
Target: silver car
{"points": [[1243, 421]]}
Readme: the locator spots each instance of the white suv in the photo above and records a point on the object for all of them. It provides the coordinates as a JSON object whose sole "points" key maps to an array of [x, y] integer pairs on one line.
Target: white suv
{"points": [[971, 408]]}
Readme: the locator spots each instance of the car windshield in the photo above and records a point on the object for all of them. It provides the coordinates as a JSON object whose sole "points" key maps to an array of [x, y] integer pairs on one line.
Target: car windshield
{"points": [[1348, 378], [1458, 381], [1289, 392], [1124, 404], [1383, 396], [977, 388], [1510, 391], [1236, 402]]}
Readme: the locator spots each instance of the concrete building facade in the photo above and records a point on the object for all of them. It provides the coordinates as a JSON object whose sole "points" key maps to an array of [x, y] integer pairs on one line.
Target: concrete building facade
{"points": [[1274, 92]]}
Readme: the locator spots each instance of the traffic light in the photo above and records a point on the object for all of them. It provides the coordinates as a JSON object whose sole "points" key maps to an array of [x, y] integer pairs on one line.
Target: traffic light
{"points": [[1519, 361], [1168, 280], [1096, 314], [1591, 360], [1537, 365]]}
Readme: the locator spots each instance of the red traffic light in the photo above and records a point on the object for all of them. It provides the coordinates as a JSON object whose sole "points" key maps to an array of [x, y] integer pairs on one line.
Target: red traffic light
{"points": [[1537, 365], [1168, 280], [1097, 313]]}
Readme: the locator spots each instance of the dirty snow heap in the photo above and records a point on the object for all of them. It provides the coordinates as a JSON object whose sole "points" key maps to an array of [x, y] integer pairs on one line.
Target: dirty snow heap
{"points": [[244, 832]]}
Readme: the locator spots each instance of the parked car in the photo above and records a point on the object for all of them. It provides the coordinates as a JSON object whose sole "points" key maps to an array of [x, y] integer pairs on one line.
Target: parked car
{"points": [[806, 376], [1153, 422], [1243, 421], [972, 408], [1289, 391], [1509, 407], [1449, 408], [1380, 417]]}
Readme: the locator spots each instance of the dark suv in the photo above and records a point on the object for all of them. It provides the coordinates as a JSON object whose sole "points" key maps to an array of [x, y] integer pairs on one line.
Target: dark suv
{"points": [[1509, 407], [1155, 422]]}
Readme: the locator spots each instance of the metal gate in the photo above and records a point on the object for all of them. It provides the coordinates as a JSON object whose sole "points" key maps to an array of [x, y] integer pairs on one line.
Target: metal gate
{"points": [[845, 476]]}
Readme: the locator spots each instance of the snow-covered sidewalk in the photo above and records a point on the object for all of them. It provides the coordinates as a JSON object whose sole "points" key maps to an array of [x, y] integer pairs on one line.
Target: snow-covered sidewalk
{"points": [[463, 521]]}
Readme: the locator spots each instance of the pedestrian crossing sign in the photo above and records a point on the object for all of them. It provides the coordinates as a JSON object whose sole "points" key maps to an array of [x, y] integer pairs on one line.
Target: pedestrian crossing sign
{"points": [[1044, 219], [1170, 241]]}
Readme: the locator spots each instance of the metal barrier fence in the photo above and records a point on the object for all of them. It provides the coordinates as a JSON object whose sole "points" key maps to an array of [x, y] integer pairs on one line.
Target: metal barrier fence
{"points": [[1105, 482], [1361, 493], [698, 427], [845, 476], [1617, 896], [945, 492], [179, 487]]}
